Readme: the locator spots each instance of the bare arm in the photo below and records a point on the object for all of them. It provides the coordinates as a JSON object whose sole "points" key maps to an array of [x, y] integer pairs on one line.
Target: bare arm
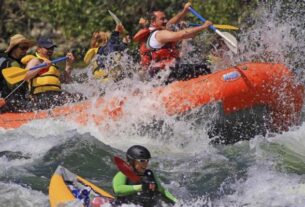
{"points": [[67, 73], [35, 61], [32, 73], [176, 19], [165, 36]]}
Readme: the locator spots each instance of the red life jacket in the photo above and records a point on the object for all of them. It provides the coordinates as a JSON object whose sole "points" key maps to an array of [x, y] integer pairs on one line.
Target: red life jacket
{"points": [[161, 57]]}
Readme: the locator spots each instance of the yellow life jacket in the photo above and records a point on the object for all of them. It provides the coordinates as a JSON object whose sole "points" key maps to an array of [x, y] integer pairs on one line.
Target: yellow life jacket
{"points": [[101, 74], [90, 54], [27, 59], [47, 81], [98, 73]]}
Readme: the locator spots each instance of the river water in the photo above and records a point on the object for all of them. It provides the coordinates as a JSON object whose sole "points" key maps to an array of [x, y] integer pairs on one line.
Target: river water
{"points": [[265, 171]]}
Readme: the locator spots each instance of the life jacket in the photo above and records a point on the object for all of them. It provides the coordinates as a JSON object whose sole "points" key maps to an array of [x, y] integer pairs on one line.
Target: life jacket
{"points": [[159, 57], [90, 54], [48, 79], [7, 61]]}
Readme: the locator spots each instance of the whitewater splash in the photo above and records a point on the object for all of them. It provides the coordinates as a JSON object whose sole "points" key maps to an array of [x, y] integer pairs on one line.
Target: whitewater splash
{"points": [[266, 171]]}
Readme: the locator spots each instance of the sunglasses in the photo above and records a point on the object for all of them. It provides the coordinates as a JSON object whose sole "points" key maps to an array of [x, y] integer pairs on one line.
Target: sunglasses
{"points": [[23, 48], [50, 49], [142, 160]]}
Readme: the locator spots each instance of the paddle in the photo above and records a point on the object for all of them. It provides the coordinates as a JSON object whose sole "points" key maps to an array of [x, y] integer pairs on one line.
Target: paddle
{"points": [[218, 26], [3, 100], [14, 75], [232, 42], [117, 21], [126, 169]]}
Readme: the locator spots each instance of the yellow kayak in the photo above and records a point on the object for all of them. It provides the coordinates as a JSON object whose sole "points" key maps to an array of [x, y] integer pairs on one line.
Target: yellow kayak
{"points": [[68, 189]]}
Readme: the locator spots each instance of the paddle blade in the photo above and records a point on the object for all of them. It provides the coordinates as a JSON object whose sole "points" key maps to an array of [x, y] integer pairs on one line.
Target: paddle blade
{"points": [[232, 39], [126, 169], [217, 26], [225, 26], [14, 75], [115, 18], [229, 39]]}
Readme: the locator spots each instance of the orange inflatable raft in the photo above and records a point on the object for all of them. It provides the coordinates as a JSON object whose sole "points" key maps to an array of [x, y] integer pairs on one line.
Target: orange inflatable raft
{"points": [[266, 91]]}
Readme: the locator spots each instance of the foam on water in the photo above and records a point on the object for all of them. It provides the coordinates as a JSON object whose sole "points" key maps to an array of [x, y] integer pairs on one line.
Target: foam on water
{"points": [[16, 195], [266, 171]]}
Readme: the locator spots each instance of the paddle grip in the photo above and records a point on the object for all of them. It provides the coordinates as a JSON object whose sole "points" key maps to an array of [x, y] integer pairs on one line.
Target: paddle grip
{"points": [[201, 18], [53, 61]]}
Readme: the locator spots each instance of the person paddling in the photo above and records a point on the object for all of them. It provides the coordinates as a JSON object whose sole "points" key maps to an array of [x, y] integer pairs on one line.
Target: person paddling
{"points": [[104, 44], [148, 189], [17, 49], [110, 55], [45, 83], [98, 39], [159, 44]]}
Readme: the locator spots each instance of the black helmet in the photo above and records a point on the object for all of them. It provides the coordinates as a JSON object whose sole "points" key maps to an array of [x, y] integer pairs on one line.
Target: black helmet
{"points": [[137, 152]]}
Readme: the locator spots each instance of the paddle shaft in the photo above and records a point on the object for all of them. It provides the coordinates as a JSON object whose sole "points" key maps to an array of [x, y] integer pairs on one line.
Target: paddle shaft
{"points": [[12, 92], [53, 61], [211, 26]]}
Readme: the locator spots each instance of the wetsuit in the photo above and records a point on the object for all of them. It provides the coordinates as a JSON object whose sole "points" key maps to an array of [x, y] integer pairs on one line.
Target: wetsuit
{"points": [[127, 191]]}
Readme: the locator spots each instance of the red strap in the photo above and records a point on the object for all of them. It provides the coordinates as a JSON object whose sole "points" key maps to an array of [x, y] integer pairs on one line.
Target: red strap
{"points": [[126, 169], [42, 71]]}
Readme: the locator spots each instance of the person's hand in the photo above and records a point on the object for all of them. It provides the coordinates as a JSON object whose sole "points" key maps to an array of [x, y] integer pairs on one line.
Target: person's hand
{"points": [[148, 181], [70, 59], [186, 7], [207, 24], [148, 185], [126, 39], [48, 62], [143, 22], [69, 63], [119, 28]]}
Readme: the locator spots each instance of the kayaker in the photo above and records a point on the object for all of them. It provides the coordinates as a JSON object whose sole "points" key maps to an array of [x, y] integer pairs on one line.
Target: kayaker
{"points": [[148, 190], [159, 44], [11, 57], [45, 83]]}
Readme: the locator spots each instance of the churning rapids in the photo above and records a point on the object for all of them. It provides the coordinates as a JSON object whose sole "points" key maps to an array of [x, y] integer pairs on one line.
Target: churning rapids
{"points": [[265, 171]]}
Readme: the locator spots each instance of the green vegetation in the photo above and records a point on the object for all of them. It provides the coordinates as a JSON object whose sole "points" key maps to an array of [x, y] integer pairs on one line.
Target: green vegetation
{"points": [[72, 23]]}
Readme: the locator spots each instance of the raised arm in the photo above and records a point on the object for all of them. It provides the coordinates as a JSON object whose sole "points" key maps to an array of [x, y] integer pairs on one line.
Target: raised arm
{"points": [[176, 19], [165, 36], [68, 69]]}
